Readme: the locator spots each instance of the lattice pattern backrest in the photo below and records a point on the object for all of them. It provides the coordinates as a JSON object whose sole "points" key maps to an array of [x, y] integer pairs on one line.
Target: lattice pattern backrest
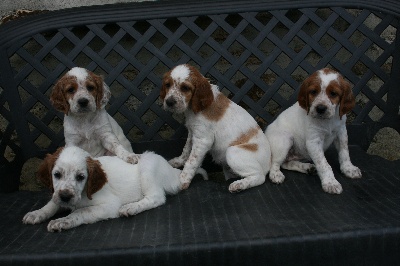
{"points": [[257, 58]]}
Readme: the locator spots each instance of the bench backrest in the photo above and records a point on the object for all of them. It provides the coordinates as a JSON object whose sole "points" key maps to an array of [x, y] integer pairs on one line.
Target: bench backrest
{"points": [[258, 52]]}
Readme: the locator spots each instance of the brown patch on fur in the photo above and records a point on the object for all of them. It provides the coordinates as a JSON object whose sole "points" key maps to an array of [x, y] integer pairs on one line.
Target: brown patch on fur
{"points": [[96, 177], [249, 146], [347, 100], [243, 140], [202, 96], [334, 92], [306, 94], [59, 95], [166, 84], [46, 167], [218, 108], [96, 82]]}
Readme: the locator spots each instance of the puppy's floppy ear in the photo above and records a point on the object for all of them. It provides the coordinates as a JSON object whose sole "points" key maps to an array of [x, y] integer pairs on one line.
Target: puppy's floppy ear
{"points": [[96, 177], [57, 97], [163, 91], [103, 91], [203, 95], [44, 172], [347, 102], [302, 97]]}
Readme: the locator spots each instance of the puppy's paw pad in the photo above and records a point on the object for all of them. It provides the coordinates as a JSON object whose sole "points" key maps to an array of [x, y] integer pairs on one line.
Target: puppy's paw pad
{"points": [[132, 158], [277, 177], [59, 225], [176, 162], [128, 210], [33, 217], [352, 171], [184, 185], [332, 187], [236, 187]]}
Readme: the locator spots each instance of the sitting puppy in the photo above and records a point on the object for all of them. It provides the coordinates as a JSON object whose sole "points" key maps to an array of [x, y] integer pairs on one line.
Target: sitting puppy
{"points": [[308, 128], [218, 125], [81, 96], [102, 188]]}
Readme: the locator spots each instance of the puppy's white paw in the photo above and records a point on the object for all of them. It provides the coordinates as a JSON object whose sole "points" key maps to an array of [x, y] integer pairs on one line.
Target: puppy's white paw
{"points": [[276, 177], [60, 224], [351, 171], [132, 158], [332, 186], [184, 181], [176, 162], [128, 210], [237, 186], [34, 217]]}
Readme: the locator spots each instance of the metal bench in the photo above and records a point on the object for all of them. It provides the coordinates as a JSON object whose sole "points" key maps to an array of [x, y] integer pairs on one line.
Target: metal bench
{"points": [[258, 52]]}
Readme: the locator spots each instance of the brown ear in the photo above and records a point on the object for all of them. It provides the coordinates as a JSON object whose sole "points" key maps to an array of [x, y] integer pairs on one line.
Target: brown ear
{"points": [[103, 93], [203, 95], [57, 97], [347, 102], [163, 91], [96, 177], [302, 97], [46, 167]]}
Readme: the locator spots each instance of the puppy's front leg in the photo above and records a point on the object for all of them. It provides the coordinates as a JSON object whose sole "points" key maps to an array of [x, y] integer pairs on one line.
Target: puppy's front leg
{"points": [[341, 144], [180, 160], [44, 213], [111, 143], [85, 215], [325, 173], [199, 149]]}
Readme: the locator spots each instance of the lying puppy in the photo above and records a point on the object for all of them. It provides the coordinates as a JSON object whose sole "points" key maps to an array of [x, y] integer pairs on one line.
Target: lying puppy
{"points": [[81, 96], [102, 188], [308, 128], [218, 125]]}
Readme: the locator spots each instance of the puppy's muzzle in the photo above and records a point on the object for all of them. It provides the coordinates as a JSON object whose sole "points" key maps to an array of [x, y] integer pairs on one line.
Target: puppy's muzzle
{"points": [[65, 196], [170, 102], [83, 102]]}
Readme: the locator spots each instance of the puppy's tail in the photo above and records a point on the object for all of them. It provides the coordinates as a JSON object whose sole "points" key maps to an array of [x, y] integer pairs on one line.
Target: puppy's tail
{"points": [[201, 171]]}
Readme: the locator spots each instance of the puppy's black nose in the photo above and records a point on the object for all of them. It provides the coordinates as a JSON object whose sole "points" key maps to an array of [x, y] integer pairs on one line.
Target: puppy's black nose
{"points": [[170, 102], [65, 196], [321, 109], [83, 102]]}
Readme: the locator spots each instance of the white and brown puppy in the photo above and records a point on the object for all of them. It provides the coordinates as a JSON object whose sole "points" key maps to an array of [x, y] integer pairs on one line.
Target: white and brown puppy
{"points": [[82, 96], [101, 188], [218, 125], [305, 130]]}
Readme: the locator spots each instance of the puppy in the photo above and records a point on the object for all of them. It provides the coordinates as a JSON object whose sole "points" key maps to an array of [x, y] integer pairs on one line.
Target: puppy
{"points": [[102, 188], [218, 125], [305, 130], [82, 96]]}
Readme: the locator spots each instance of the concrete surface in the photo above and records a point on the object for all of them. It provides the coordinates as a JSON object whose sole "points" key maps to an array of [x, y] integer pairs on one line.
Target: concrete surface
{"points": [[9, 6]]}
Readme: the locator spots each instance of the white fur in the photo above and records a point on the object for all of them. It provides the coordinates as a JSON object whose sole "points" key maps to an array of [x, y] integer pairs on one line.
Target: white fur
{"points": [[129, 190], [296, 136], [93, 129], [217, 137]]}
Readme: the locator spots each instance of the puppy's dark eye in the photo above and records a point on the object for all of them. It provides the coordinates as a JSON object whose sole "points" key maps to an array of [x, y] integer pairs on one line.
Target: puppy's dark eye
{"points": [[313, 92], [70, 90], [185, 88], [80, 177], [90, 87], [167, 85], [57, 175], [333, 94]]}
